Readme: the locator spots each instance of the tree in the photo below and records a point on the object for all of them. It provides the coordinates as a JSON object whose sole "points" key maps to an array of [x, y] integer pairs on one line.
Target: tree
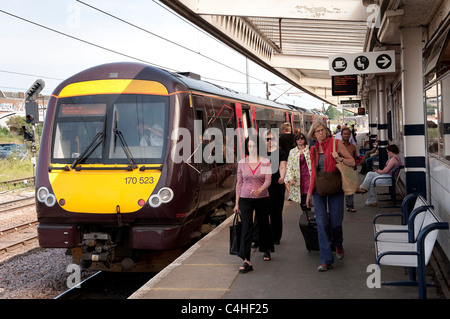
{"points": [[15, 124], [331, 112]]}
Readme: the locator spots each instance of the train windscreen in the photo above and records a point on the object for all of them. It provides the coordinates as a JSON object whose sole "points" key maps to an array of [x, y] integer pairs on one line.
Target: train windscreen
{"points": [[110, 129]]}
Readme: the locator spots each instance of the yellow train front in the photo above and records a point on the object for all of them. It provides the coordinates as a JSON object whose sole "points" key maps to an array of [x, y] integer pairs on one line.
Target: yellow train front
{"points": [[106, 186]]}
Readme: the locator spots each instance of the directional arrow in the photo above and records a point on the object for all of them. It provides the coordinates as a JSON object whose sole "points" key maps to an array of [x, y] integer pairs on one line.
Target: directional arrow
{"points": [[383, 61]]}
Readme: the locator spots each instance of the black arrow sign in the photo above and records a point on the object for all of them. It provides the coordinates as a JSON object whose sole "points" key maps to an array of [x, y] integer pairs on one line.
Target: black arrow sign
{"points": [[384, 61]]}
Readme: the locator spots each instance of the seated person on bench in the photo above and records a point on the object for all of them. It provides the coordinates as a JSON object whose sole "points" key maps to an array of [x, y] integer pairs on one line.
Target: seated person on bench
{"points": [[368, 184]]}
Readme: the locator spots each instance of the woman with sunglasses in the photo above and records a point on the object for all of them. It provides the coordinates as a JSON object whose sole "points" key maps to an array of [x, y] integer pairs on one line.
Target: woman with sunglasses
{"points": [[329, 210], [298, 171]]}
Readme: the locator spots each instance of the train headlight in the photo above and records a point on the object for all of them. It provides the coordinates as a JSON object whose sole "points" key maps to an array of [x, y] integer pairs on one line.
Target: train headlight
{"points": [[166, 194], [44, 196], [154, 201], [50, 200]]}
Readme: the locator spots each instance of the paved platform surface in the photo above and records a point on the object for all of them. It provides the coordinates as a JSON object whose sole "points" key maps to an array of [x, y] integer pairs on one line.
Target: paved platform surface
{"points": [[208, 271]]}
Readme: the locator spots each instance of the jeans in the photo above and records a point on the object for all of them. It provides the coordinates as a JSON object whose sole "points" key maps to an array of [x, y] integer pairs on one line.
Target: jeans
{"points": [[368, 184], [329, 224], [349, 201]]}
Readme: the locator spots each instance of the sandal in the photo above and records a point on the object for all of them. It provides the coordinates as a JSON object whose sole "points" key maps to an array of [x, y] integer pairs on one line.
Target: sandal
{"points": [[349, 209], [267, 256], [246, 267]]}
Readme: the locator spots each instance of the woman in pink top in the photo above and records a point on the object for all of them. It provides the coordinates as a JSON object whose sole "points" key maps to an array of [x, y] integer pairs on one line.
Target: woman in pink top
{"points": [[254, 176]]}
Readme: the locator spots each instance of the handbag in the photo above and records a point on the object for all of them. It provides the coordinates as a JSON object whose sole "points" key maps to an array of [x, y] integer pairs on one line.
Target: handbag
{"points": [[327, 183], [235, 234], [350, 183]]}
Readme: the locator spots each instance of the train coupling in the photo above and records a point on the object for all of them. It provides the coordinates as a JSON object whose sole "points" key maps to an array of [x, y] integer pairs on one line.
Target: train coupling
{"points": [[97, 247]]}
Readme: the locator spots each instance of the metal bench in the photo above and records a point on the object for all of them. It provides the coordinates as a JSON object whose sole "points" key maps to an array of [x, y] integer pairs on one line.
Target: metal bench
{"points": [[411, 221], [415, 253], [392, 187]]}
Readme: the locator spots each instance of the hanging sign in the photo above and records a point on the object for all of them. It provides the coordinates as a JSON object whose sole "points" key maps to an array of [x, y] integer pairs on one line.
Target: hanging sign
{"points": [[344, 85], [362, 63]]}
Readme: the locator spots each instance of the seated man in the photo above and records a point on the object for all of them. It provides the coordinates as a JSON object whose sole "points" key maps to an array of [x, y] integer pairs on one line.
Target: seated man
{"points": [[151, 136], [368, 159], [156, 135]]}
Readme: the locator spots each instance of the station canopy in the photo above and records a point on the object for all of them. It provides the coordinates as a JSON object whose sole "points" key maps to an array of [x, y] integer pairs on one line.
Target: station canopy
{"points": [[292, 39]]}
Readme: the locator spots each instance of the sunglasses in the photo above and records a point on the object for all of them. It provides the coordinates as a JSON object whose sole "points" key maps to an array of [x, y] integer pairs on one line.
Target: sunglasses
{"points": [[300, 138]]}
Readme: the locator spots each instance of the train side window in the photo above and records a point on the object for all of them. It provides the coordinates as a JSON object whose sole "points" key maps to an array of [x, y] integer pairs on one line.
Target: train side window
{"points": [[200, 116], [246, 119], [432, 120]]}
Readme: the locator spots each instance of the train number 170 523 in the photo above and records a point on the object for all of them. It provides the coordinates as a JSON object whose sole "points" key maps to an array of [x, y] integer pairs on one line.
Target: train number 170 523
{"points": [[140, 180]]}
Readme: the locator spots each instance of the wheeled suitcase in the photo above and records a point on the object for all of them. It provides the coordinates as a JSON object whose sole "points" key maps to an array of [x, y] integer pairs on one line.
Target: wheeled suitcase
{"points": [[308, 227]]}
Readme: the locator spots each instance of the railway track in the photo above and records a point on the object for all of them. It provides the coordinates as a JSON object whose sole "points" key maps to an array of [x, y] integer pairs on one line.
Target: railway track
{"points": [[18, 235], [17, 204], [18, 181]]}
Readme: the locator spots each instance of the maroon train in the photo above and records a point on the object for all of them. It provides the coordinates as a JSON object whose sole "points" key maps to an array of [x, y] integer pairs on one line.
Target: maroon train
{"points": [[110, 184]]}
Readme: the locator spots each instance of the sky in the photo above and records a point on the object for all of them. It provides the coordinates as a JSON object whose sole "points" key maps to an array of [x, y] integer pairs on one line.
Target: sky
{"points": [[82, 37]]}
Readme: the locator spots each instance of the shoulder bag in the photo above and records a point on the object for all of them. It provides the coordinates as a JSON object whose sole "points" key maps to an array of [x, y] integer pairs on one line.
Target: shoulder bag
{"points": [[350, 183], [327, 183]]}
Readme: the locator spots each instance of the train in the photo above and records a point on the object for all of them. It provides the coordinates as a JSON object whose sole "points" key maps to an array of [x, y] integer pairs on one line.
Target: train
{"points": [[108, 186]]}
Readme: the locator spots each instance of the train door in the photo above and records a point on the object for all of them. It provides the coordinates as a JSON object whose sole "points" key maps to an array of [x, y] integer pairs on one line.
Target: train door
{"points": [[253, 118], [297, 120], [213, 139], [203, 168], [246, 118], [224, 164], [291, 120], [241, 125]]}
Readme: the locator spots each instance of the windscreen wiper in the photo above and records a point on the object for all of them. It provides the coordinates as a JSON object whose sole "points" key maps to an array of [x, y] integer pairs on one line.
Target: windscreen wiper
{"points": [[96, 141], [118, 133]]}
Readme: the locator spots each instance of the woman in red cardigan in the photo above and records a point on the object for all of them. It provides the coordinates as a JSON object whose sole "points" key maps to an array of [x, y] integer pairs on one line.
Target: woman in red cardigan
{"points": [[329, 221]]}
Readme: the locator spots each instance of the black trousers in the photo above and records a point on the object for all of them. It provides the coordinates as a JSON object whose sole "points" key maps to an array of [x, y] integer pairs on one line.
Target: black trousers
{"points": [[261, 207], [276, 194]]}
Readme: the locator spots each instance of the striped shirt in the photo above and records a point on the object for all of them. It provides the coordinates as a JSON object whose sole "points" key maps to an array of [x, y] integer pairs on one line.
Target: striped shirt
{"points": [[248, 179]]}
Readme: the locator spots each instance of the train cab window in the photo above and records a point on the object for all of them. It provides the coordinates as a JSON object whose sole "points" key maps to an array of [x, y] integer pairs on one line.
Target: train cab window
{"points": [[142, 128], [77, 126], [102, 129]]}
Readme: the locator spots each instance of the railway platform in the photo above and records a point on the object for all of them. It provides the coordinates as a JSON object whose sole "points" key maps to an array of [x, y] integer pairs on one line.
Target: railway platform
{"points": [[208, 271]]}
